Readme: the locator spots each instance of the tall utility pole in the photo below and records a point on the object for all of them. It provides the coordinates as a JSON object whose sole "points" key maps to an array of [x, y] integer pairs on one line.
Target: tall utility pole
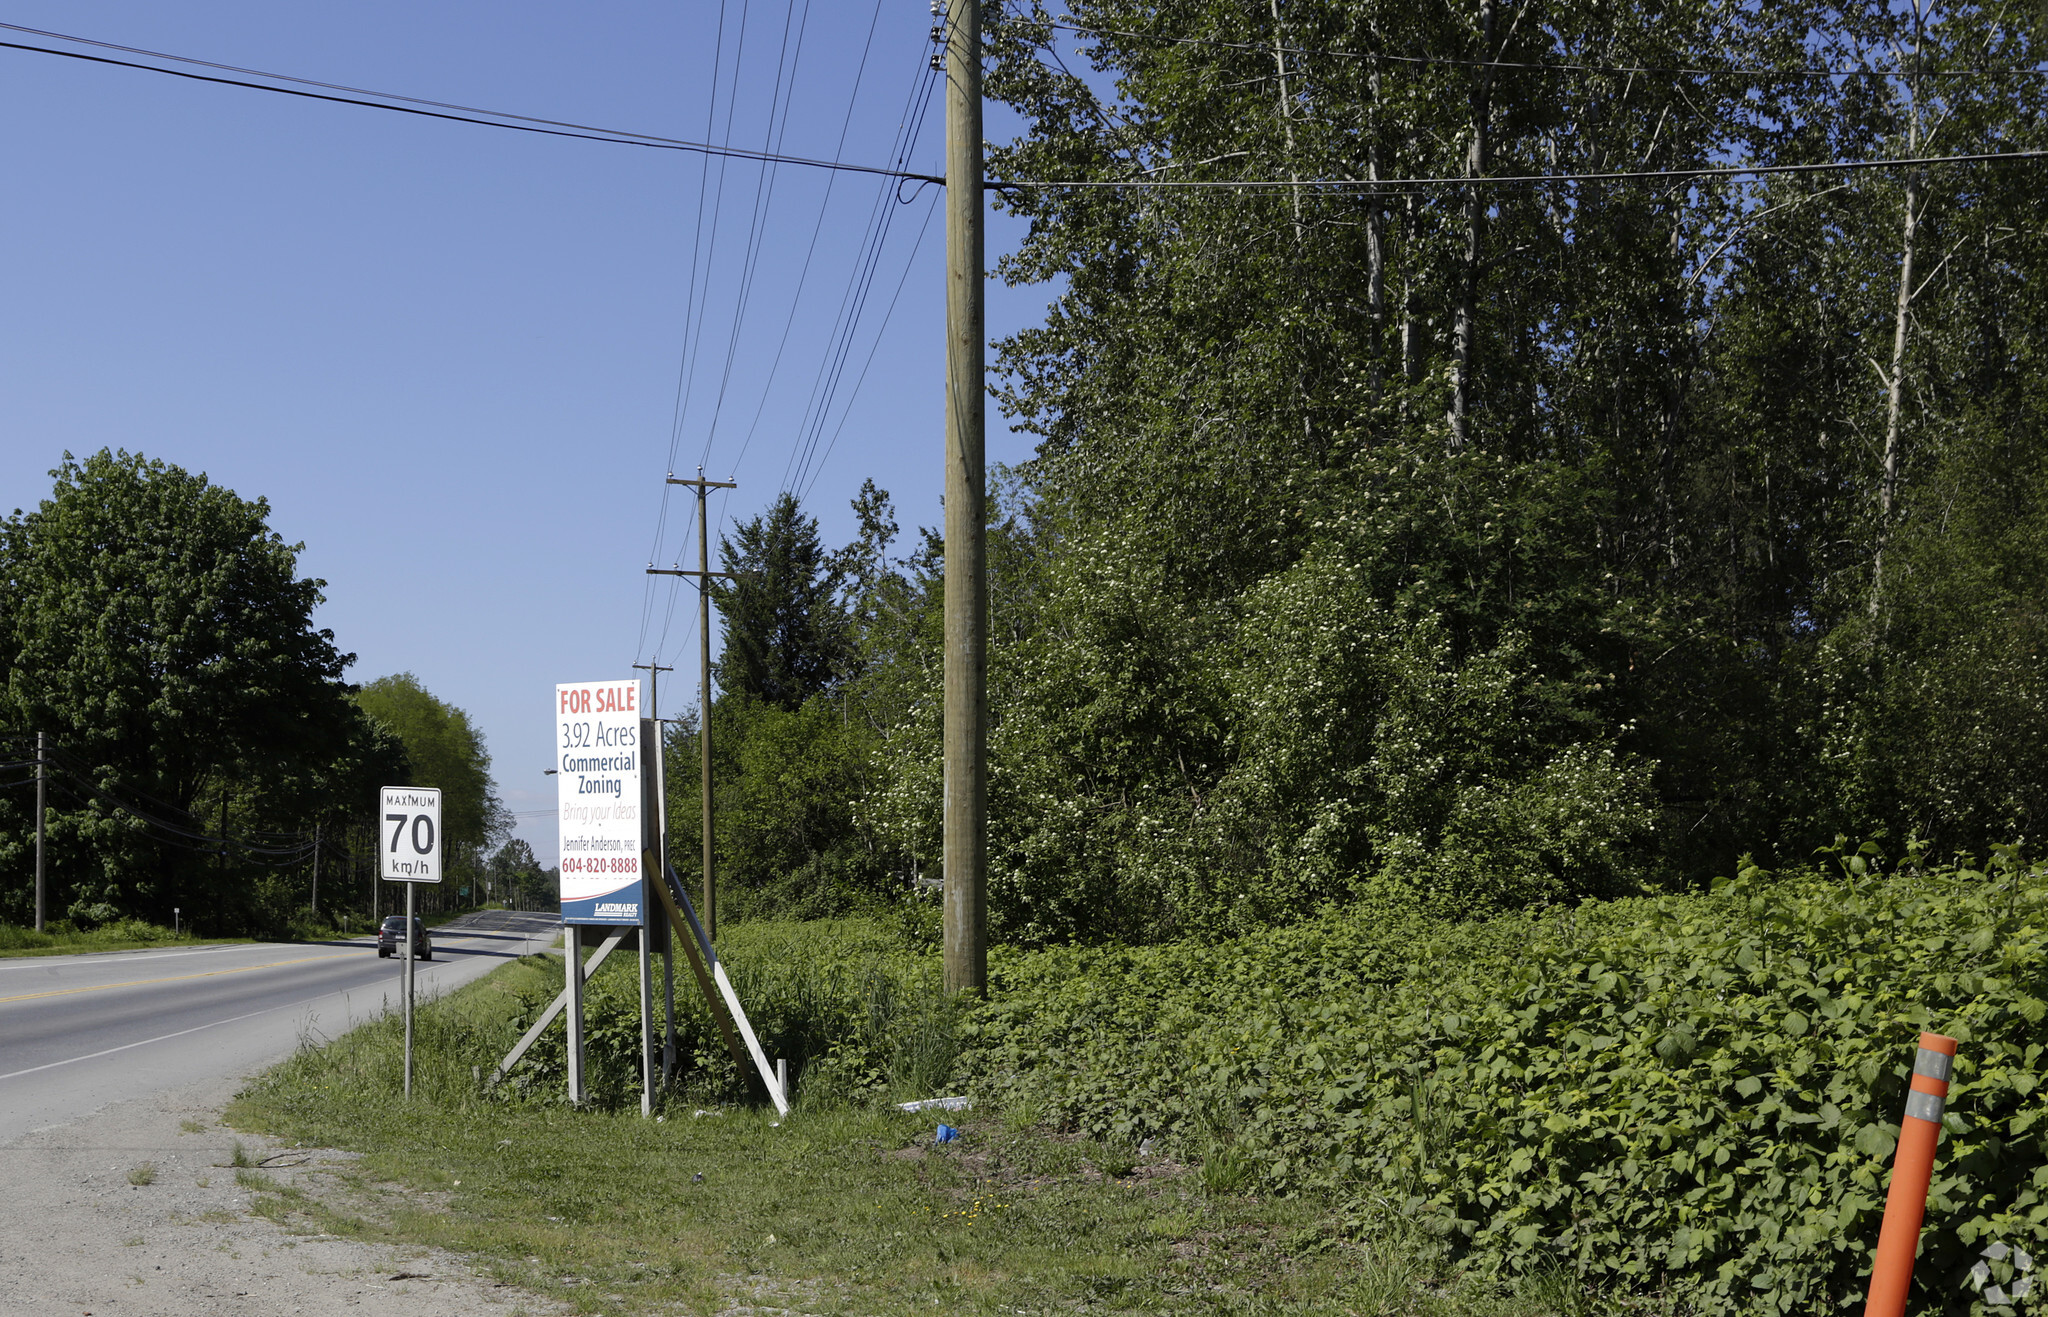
{"points": [[654, 671], [660, 823], [965, 847], [42, 777], [703, 575]]}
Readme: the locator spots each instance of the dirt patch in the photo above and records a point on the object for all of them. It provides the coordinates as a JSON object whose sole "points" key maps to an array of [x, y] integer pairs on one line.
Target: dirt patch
{"points": [[140, 1209]]}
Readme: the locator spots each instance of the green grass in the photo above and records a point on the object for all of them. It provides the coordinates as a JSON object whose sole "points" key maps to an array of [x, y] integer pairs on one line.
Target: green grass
{"points": [[127, 935], [845, 1206]]}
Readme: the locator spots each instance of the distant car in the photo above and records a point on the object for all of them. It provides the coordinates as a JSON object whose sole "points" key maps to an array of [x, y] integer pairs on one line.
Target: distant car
{"points": [[391, 938]]}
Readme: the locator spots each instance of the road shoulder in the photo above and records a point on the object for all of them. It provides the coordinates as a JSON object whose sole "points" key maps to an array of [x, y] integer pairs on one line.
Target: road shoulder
{"points": [[78, 1233]]}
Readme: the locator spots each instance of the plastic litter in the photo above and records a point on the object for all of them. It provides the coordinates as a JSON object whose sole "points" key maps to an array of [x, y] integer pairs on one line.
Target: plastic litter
{"points": [[936, 1105], [947, 1134]]}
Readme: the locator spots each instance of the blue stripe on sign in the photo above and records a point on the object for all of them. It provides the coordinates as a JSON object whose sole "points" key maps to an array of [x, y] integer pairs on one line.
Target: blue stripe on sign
{"points": [[1933, 1064], [1923, 1106]]}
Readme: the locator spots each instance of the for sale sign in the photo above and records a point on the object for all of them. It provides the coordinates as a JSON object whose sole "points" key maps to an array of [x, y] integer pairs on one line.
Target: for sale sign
{"points": [[597, 762]]}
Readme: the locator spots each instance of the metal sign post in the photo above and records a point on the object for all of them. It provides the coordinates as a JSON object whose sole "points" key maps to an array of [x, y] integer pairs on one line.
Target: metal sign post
{"points": [[600, 739], [412, 855]]}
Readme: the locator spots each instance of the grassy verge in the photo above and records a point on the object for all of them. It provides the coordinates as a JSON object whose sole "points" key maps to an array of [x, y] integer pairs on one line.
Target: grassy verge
{"points": [[847, 1205], [304, 927], [126, 935], [61, 939]]}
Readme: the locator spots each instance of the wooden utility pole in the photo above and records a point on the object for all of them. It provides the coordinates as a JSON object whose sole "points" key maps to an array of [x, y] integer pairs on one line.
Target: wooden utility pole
{"points": [[653, 696], [42, 800], [660, 850], [654, 671], [965, 847], [703, 575]]}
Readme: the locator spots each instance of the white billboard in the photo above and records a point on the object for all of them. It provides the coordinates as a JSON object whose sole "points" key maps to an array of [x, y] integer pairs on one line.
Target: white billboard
{"points": [[597, 791]]}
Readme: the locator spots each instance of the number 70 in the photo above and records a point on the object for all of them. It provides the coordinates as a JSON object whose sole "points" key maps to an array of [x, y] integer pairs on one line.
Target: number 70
{"points": [[397, 821]]}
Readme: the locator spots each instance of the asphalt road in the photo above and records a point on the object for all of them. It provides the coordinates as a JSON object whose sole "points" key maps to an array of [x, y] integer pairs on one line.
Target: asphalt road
{"points": [[79, 1032]]}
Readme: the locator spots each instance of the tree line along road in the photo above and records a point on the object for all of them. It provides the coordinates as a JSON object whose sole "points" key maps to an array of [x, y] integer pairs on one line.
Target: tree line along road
{"points": [[80, 1032]]}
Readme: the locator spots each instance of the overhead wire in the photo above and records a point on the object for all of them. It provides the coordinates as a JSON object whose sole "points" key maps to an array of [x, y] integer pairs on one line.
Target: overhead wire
{"points": [[811, 248], [853, 302], [694, 344], [683, 362], [284, 847], [455, 113], [874, 239], [1372, 185], [764, 192], [812, 461], [717, 215], [799, 472], [908, 264], [1266, 49]]}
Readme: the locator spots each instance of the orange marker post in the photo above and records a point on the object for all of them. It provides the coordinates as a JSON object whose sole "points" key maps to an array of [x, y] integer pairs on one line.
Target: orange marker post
{"points": [[1891, 1274]]}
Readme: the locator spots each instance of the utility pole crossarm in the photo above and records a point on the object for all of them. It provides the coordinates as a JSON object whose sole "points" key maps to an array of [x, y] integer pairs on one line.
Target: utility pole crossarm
{"points": [[681, 571], [701, 483]]}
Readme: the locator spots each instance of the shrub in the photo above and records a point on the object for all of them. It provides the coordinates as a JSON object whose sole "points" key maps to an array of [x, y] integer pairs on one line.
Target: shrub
{"points": [[1696, 1093], [856, 1013]]}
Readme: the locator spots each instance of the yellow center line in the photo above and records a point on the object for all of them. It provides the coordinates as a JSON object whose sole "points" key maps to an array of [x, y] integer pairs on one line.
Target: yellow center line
{"points": [[175, 978]]}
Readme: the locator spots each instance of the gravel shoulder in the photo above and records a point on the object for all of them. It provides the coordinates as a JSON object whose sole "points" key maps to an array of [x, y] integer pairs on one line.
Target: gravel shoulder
{"points": [[78, 1235]]}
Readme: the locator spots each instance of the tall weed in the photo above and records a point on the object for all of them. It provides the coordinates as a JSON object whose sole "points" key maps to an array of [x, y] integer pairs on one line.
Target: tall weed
{"points": [[857, 1014]]}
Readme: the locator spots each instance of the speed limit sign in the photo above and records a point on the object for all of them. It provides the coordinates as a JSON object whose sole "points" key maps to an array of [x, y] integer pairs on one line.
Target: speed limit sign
{"points": [[409, 836]]}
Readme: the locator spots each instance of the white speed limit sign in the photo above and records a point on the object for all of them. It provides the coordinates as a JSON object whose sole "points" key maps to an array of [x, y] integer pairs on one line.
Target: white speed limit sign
{"points": [[409, 836]]}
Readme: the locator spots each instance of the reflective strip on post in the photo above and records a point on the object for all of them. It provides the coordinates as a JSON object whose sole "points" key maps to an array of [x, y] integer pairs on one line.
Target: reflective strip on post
{"points": [[1935, 1064], [1891, 1271], [1928, 1095]]}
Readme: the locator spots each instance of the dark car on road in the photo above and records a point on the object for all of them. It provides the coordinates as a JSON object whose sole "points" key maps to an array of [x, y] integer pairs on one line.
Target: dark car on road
{"points": [[391, 938]]}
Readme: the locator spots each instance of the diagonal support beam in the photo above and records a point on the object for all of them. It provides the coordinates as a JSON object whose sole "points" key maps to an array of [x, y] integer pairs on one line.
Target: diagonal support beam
{"points": [[676, 893], [547, 1017], [690, 949]]}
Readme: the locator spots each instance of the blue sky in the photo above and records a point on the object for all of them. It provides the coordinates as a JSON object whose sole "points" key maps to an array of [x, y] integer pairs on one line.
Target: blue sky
{"points": [[450, 356]]}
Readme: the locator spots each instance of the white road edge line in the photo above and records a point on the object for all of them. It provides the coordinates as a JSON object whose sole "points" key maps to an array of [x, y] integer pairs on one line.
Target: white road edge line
{"points": [[115, 957], [211, 1024]]}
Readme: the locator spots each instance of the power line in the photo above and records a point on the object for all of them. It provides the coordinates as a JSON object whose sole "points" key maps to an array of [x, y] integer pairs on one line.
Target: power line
{"points": [[695, 310], [464, 114], [692, 322], [853, 303], [810, 251], [1485, 180], [764, 196], [284, 847], [874, 347], [718, 200], [1266, 49]]}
